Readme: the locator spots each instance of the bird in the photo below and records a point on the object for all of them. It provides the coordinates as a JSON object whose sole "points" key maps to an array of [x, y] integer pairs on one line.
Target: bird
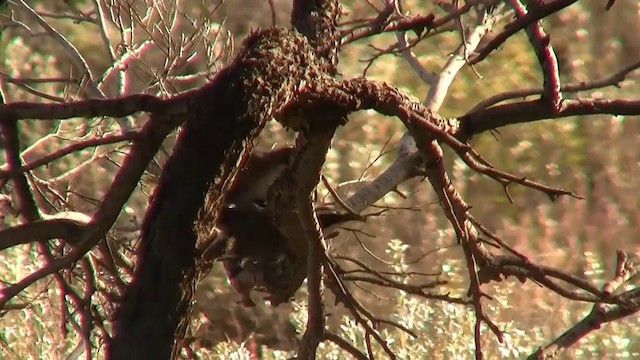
{"points": [[254, 251]]}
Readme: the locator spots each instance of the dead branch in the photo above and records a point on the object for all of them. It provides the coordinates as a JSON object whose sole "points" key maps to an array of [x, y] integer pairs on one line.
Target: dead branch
{"points": [[494, 117], [614, 79], [541, 43], [140, 154], [600, 314], [540, 12]]}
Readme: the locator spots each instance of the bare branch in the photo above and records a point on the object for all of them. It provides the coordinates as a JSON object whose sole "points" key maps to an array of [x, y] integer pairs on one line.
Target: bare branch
{"points": [[600, 314], [443, 80], [518, 24], [87, 108], [26, 203], [541, 43], [477, 122], [69, 149], [40, 231], [141, 153], [419, 24], [73, 53], [614, 79], [357, 354]]}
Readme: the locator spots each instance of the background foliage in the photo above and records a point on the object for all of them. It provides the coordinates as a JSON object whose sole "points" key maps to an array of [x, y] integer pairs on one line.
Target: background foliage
{"points": [[594, 156]]}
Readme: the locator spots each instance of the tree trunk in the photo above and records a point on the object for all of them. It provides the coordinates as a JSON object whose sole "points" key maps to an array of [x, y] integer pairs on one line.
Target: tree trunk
{"points": [[228, 114]]}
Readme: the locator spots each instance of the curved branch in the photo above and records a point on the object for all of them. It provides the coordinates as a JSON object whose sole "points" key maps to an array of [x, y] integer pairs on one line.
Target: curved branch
{"points": [[74, 55], [346, 346], [418, 23], [545, 53], [81, 145], [540, 12], [614, 79], [443, 80], [41, 230], [600, 314]]}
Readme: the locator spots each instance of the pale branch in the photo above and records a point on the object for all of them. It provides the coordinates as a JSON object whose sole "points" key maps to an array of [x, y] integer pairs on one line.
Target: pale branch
{"points": [[69, 149], [444, 78], [101, 21], [122, 63], [441, 81], [402, 169], [361, 94], [410, 57]]}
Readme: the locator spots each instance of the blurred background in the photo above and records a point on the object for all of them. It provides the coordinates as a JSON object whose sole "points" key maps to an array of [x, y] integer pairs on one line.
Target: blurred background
{"points": [[594, 156]]}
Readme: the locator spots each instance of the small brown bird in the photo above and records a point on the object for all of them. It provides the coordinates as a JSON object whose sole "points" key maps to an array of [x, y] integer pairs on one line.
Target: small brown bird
{"points": [[254, 247]]}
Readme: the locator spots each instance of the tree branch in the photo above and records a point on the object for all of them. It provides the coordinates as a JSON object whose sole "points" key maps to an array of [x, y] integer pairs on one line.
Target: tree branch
{"points": [[477, 122]]}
